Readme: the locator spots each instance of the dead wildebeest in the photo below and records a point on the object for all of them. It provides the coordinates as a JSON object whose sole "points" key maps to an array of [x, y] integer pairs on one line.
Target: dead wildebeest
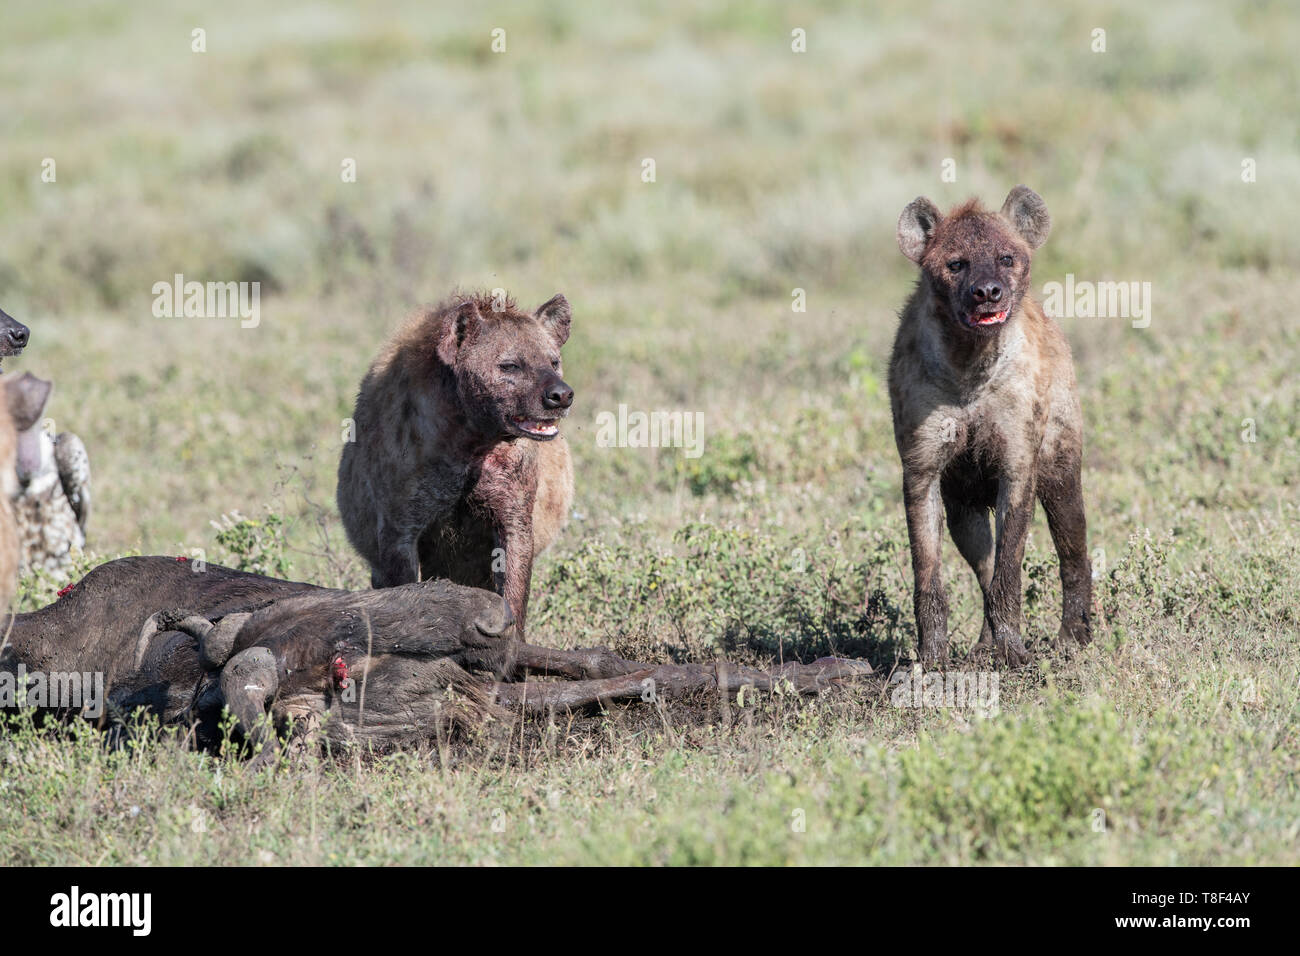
{"points": [[379, 666], [108, 624], [986, 416]]}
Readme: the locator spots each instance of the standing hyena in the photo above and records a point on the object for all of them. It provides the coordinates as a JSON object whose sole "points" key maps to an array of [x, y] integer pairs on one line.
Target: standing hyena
{"points": [[458, 469], [986, 416]]}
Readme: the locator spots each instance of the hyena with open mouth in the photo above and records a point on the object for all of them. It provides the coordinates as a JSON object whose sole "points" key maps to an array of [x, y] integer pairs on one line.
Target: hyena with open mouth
{"points": [[986, 417], [458, 469]]}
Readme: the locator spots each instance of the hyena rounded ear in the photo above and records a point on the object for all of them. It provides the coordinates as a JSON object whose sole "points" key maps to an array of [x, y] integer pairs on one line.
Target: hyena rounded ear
{"points": [[555, 316], [25, 396], [464, 320], [916, 225], [1028, 214]]}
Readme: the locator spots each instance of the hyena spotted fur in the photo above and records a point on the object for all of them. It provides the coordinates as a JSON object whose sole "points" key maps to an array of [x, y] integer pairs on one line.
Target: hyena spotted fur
{"points": [[986, 418]]}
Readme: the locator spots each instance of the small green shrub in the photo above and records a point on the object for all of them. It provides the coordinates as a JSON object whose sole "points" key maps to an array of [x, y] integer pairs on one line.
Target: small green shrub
{"points": [[247, 544]]}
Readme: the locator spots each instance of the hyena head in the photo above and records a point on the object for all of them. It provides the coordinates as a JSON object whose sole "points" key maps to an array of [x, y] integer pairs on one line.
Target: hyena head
{"points": [[506, 365], [975, 262]]}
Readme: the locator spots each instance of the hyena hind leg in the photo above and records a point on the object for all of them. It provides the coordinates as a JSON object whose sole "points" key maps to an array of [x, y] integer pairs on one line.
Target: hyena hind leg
{"points": [[1062, 501], [969, 526]]}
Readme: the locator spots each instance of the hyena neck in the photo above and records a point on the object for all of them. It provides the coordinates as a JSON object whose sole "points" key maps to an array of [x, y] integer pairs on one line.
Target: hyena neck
{"points": [[456, 433], [430, 420], [459, 437], [961, 359]]}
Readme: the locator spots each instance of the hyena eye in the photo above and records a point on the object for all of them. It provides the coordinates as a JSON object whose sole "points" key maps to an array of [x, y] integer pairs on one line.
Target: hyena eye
{"points": [[956, 265], [508, 367], [1006, 260], [555, 364]]}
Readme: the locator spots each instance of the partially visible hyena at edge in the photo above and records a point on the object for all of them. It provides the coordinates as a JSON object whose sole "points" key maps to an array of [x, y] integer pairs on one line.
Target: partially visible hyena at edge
{"points": [[986, 417], [24, 397], [458, 469]]}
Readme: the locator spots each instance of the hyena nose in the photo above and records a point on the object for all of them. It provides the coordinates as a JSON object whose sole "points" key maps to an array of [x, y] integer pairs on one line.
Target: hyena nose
{"points": [[987, 292], [558, 395], [18, 336]]}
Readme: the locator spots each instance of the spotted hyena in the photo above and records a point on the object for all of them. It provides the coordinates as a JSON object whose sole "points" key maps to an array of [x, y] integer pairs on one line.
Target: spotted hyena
{"points": [[458, 468], [986, 416]]}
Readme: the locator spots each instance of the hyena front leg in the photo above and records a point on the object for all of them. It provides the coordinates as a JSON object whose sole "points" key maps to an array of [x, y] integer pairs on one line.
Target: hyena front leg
{"points": [[399, 561], [1015, 508], [924, 507], [1063, 502], [512, 565], [969, 526]]}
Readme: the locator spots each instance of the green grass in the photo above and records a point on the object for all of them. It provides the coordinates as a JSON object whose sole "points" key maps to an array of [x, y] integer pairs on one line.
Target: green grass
{"points": [[775, 171]]}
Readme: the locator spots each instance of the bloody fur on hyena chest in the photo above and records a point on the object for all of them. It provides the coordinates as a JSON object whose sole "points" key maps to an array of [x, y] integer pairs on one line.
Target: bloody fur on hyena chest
{"points": [[463, 542]]}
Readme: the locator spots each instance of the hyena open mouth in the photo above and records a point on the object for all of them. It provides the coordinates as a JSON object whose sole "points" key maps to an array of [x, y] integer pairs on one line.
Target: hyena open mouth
{"points": [[988, 318], [537, 428]]}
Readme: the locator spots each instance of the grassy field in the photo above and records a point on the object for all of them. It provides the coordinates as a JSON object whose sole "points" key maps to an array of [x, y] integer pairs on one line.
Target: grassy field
{"points": [[1171, 740]]}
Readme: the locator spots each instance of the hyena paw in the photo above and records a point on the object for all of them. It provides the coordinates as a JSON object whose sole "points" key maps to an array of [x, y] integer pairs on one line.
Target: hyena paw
{"points": [[1077, 629], [983, 649], [934, 652], [1009, 649]]}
